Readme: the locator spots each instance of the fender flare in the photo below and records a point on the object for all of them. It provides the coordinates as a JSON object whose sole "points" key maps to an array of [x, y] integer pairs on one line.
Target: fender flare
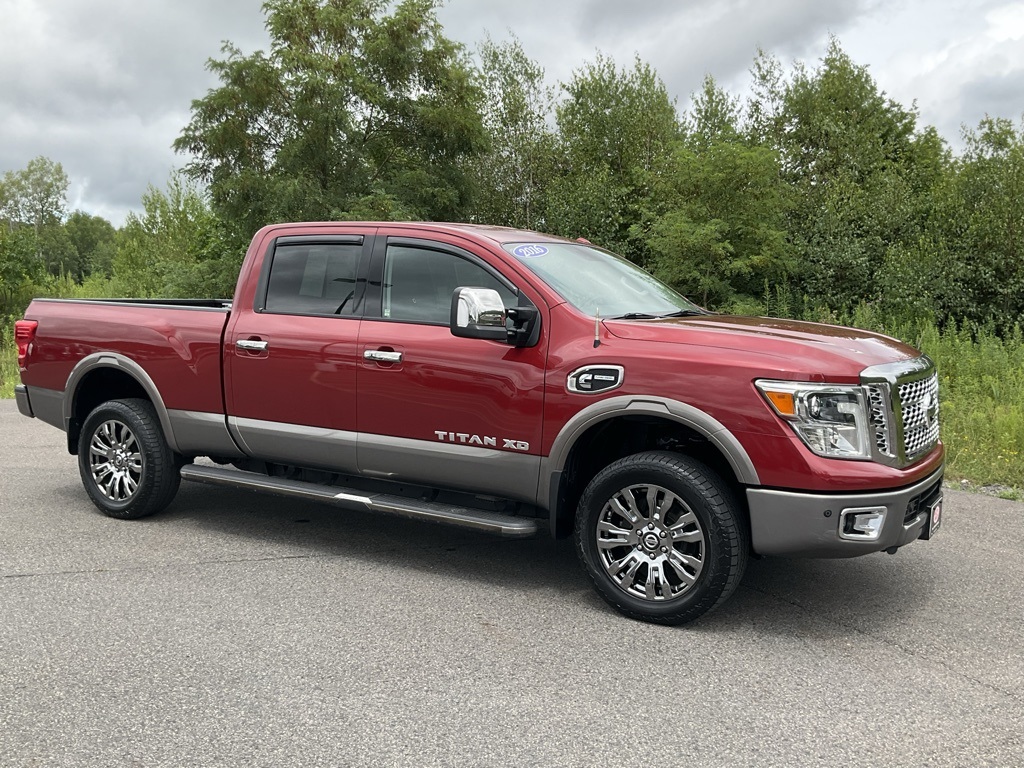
{"points": [[631, 405], [126, 365]]}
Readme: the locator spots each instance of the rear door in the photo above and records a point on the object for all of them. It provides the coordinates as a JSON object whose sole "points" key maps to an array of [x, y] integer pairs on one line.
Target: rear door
{"points": [[290, 360], [438, 409]]}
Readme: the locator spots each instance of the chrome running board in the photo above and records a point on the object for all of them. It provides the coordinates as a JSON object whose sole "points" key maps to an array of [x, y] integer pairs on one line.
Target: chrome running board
{"points": [[465, 517]]}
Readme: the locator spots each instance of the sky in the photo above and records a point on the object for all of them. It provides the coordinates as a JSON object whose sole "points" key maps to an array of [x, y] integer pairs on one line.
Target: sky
{"points": [[105, 87]]}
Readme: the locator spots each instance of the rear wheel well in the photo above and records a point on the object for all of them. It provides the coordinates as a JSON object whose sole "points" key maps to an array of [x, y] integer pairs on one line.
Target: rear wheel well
{"points": [[96, 387], [623, 436]]}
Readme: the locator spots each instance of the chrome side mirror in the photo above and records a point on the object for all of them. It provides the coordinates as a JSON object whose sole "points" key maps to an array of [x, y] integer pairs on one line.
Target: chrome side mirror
{"points": [[478, 313]]}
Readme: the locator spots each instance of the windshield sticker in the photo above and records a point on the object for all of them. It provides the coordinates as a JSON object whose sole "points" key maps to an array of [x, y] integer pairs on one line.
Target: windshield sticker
{"points": [[530, 251]]}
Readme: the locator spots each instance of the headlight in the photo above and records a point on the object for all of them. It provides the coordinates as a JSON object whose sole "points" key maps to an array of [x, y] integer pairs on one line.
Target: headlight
{"points": [[831, 419]]}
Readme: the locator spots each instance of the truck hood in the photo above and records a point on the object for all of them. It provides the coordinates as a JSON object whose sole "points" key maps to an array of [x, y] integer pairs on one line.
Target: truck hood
{"points": [[809, 348]]}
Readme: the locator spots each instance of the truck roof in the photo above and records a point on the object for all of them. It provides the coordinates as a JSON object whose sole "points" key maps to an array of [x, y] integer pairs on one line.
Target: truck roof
{"points": [[479, 231]]}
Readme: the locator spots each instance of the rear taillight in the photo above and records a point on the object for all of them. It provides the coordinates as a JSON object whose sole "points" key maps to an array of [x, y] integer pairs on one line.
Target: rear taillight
{"points": [[24, 335]]}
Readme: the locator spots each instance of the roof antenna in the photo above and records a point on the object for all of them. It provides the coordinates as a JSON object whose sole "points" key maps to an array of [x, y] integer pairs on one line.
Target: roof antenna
{"points": [[597, 329]]}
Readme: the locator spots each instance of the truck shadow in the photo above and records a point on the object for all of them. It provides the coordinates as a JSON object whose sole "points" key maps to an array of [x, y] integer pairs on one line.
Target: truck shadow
{"points": [[832, 599], [318, 530], [806, 598]]}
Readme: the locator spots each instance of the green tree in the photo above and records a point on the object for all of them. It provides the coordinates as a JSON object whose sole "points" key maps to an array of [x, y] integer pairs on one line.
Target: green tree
{"points": [[20, 268], [512, 175], [36, 197], [175, 248], [717, 222], [713, 118], [968, 266], [59, 255], [615, 128], [859, 167], [763, 122], [990, 190], [360, 106], [93, 238]]}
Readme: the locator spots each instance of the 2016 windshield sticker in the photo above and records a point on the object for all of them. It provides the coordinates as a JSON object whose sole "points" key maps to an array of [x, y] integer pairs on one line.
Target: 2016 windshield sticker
{"points": [[530, 251]]}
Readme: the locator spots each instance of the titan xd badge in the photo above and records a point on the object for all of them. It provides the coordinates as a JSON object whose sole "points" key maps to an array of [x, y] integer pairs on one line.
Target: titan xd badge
{"points": [[592, 379]]}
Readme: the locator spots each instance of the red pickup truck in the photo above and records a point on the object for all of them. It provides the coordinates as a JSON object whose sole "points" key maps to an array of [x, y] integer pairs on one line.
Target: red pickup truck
{"points": [[500, 380]]}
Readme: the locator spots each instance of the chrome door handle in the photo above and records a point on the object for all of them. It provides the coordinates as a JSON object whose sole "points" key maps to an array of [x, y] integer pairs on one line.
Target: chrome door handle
{"points": [[382, 357], [251, 345]]}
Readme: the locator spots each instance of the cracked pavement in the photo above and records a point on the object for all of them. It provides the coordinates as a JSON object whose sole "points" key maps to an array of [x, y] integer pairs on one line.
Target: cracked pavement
{"points": [[238, 629]]}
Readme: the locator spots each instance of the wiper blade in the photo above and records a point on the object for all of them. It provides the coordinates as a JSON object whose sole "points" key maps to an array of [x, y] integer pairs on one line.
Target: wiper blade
{"points": [[686, 313], [649, 316]]}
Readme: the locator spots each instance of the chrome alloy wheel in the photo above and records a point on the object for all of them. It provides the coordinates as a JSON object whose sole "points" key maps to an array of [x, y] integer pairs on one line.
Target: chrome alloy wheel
{"points": [[115, 460], [650, 542]]}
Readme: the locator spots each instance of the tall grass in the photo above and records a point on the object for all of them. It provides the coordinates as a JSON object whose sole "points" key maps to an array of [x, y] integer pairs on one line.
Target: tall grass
{"points": [[8, 359], [981, 389]]}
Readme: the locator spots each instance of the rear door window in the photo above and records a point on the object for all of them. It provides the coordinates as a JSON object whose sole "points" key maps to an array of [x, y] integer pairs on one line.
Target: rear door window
{"points": [[313, 279]]}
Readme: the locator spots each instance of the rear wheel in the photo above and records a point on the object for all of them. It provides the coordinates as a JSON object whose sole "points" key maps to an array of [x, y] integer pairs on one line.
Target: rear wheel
{"points": [[662, 537], [127, 467]]}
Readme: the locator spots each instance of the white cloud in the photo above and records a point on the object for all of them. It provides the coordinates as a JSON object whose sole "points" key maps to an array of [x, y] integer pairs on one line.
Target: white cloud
{"points": [[104, 87], [958, 60], [1006, 23]]}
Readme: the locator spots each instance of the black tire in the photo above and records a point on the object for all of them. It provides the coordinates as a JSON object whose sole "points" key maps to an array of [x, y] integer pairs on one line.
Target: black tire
{"points": [[127, 468], [685, 553]]}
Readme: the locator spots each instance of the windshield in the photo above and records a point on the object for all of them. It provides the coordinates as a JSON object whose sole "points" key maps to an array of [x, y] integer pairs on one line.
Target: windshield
{"points": [[598, 282]]}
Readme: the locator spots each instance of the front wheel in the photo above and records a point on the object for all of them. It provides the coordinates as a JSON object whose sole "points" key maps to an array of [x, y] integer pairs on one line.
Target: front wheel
{"points": [[662, 537], [127, 467]]}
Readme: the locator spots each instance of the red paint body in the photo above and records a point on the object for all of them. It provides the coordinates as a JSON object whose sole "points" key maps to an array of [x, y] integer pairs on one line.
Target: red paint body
{"points": [[315, 373]]}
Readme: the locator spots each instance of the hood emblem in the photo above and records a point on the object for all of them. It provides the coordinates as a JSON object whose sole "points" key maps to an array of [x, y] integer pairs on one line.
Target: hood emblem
{"points": [[931, 409]]}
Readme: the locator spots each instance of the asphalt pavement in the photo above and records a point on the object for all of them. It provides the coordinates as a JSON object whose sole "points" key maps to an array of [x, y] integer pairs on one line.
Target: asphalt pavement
{"points": [[242, 630]]}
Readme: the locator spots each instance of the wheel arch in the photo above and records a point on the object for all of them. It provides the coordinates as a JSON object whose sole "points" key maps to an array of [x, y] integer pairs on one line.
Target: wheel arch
{"points": [[618, 426], [104, 376]]}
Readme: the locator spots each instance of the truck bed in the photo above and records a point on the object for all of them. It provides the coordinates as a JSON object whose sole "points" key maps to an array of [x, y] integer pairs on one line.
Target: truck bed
{"points": [[177, 342]]}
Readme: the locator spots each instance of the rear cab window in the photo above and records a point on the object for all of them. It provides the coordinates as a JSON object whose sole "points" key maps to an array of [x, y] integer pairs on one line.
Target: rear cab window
{"points": [[313, 279]]}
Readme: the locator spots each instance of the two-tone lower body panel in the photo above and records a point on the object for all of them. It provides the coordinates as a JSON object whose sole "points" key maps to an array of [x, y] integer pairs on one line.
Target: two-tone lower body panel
{"points": [[23, 400], [794, 524], [43, 404]]}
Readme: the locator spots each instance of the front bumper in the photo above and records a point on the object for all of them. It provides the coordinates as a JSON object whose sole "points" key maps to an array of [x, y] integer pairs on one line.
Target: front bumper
{"points": [[24, 404], [793, 524]]}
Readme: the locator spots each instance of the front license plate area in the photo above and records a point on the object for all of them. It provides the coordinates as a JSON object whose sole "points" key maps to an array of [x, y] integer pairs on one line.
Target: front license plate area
{"points": [[934, 521]]}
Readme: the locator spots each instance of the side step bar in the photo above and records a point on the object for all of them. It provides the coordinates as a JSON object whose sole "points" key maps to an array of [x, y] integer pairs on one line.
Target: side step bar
{"points": [[465, 517]]}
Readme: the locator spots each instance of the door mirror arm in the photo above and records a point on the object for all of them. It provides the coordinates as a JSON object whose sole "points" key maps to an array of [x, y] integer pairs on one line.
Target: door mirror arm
{"points": [[520, 325]]}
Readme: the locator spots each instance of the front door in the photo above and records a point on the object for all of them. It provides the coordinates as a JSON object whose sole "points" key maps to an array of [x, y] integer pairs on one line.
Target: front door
{"points": [[438, 409]]}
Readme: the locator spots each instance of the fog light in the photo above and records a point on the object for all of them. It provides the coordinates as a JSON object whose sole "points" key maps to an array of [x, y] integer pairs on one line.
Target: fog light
{"points": [[861, 523]]}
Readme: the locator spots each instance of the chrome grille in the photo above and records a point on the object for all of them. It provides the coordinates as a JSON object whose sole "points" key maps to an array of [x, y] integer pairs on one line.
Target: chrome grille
{"points": [[878, 416], [919, 412], [902, 399]]}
